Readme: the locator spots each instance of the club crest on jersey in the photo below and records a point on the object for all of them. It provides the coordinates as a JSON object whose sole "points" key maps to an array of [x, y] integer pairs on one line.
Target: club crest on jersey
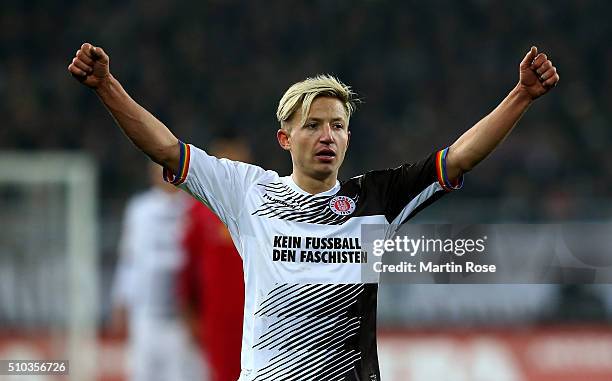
{"points": [[342, 205]]}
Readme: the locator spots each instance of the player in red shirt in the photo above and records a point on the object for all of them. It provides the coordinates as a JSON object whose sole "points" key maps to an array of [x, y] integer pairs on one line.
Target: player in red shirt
{"points": [[211, 285]]}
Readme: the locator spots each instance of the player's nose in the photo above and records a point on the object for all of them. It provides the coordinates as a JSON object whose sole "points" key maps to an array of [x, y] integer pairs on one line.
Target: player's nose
{"points": [[326, 134]]}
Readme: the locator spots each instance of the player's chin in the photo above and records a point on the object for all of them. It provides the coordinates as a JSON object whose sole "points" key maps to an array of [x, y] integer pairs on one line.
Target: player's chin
{"points": [[324, 170], [322, 166], [326, 162]]}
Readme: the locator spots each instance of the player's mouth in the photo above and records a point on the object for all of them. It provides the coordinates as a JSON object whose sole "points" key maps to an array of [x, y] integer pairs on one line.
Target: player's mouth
{"points": [[325, 155]]}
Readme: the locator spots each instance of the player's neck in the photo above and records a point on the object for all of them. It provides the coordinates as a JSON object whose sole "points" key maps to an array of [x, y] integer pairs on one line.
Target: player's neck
{"points": [[313, 185]]}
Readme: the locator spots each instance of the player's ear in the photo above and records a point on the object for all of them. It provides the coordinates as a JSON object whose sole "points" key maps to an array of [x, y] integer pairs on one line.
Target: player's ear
{"points": [[348, 140], [283, 139]]}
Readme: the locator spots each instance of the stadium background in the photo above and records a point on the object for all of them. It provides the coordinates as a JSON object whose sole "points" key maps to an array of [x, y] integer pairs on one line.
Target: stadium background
{"points": [[425, 72]]}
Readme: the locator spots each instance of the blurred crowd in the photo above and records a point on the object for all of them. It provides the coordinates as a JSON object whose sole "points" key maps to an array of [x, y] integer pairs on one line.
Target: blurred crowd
{"points": [[425, 74]]}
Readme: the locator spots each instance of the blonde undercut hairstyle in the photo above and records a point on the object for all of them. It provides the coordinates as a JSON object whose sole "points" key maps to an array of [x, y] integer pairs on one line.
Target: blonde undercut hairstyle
{"points": [[301, 95]]}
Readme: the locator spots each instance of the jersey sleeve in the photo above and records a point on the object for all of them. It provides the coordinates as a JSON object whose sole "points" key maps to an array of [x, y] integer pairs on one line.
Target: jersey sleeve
{"points": [[410, 188], [219, 183]]}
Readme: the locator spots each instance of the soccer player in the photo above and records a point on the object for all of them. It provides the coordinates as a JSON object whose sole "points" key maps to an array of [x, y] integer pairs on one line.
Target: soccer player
{"points": [[145, 285], [211, 281], [307, 314]]}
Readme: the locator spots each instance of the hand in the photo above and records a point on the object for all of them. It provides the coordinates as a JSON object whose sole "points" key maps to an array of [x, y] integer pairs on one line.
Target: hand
{"points": [[537, 75], [90, 66]]}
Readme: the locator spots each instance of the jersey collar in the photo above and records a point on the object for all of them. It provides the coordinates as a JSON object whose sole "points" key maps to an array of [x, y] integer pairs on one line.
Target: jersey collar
{"points": [[288, 180]]}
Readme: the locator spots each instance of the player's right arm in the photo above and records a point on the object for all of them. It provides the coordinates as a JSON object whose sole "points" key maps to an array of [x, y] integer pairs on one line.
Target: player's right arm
{"points": [[90, 66]]}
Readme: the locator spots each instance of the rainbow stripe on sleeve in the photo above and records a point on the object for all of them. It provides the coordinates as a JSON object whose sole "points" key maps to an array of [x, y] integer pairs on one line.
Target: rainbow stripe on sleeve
{"points": [[443, 179], [183, 169]]}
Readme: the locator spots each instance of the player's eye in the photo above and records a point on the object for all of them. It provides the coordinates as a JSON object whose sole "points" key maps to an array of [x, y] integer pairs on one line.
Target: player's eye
{"points": [[310, 125], [338, 126]]}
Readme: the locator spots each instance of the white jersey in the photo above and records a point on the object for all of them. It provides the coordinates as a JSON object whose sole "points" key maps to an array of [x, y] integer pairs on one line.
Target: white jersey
{"points": [[307, 313], [150, 258], [150, 254]]}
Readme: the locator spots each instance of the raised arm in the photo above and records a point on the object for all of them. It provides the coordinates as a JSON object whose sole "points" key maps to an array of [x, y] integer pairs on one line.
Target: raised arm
{"points": [[537, 76], [90, 66]]}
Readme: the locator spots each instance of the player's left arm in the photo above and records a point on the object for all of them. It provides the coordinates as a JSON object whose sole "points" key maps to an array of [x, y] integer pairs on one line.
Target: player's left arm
{"points": [[537, 76]]}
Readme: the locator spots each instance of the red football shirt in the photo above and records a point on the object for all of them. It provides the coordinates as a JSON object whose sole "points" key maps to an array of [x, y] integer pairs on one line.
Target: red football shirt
{"points": [[212, 284]]}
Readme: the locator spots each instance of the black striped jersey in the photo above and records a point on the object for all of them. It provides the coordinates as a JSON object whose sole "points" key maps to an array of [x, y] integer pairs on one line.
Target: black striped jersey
{"points": [[307, 315]]}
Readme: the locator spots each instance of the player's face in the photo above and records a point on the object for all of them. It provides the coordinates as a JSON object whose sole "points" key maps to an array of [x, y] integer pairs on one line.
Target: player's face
{"points": [[318, 144]]}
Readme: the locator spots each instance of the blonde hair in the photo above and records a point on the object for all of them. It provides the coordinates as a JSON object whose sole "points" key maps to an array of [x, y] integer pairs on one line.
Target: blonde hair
{"points": [[304, 92]]}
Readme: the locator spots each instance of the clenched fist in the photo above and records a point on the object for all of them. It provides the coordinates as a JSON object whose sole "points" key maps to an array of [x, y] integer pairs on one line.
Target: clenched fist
{"points": [[537, 74], [90, 66]]}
